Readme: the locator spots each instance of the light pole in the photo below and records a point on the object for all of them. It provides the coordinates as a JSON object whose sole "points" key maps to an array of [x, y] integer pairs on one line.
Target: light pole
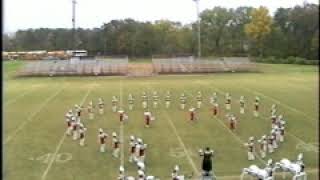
{"points": [[73, 23], [198, 19]]}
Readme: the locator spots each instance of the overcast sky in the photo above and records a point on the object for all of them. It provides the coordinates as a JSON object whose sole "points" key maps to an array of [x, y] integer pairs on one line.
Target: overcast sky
{"points": [[23, 14]]}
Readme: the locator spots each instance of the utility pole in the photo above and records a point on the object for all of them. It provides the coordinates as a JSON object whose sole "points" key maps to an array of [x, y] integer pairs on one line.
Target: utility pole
{"points": [[73, 24], [199, 30]]}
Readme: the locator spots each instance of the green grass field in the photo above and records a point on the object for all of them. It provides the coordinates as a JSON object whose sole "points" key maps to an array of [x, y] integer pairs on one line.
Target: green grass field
{"points": [[35, 147]]}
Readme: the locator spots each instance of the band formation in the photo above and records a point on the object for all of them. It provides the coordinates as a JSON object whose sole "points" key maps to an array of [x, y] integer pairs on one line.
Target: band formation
{"points": [[257, 147]]}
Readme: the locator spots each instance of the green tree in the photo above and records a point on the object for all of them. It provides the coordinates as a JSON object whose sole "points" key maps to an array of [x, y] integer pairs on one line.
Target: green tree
{"points": [[259, 27], [214, 23]]}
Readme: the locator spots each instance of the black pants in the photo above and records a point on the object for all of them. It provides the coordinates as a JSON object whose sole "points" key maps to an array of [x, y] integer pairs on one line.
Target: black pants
{"points": [[207, 165]]}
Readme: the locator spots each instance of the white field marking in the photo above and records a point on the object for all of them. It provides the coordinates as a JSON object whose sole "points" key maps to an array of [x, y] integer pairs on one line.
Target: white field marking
{"points": [[45, 158], [238, 139], [179, 153], [311, 147], [182, 144], [302, 87], [30, 118], [234, 135], [44, 175], [121, 131], [194, 167], [17, 98], [278, 102], [59, 159]]}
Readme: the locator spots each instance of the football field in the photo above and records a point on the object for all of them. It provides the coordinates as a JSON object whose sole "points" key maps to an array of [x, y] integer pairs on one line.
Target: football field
{"points": [[36, 147]]}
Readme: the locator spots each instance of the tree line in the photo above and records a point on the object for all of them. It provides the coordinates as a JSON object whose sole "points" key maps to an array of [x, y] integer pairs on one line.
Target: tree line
{"points": [[224, 32]]}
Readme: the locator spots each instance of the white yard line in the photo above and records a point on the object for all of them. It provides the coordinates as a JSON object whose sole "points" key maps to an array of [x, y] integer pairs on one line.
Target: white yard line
{"points": [[302, 87], [193, 165], [17, 98], [30, 118], [121, 145], [233, 134], [44, 175], [278, 102], [121, 130], [297, 138], [238, 139]]}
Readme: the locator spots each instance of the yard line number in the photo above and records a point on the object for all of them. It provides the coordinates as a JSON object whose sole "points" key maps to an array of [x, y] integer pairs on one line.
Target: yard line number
{"points": [[59, 158]]}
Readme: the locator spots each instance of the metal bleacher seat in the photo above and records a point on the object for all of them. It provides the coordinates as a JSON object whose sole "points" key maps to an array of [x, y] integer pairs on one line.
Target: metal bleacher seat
{"points": [[110, 66]]}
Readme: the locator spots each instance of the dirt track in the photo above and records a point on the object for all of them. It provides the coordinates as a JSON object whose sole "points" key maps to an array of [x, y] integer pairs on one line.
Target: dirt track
{"points": [[143, 69]]}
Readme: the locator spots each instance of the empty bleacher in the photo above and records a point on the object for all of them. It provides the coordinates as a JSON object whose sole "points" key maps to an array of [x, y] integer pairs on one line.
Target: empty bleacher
{"points": [[93, 67], [106, 66], [192, 65]]}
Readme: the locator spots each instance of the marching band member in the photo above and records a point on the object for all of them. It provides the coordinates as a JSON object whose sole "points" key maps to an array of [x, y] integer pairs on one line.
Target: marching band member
{"points": [[82, 131], [90, 110], [199, 100], [75, 125], [215, 109], [280, 121], [228, 101], [142, 153], [274, 136], [138, 146], [250, 146], [102, 140], [175, 173], [155, 99], [114, 103], [69, 116], [130, 101], [101, 106], [214, 98], [207, 160], [263, 146], [121, 115], [270, 143], [141, 166], [133, 145], [273, 120], [121, 174], [116, 147], [168, 99], [273, 110], [192, 114], [232, 122], [183, 100], [242, 105], [78, 110], [141, 175], [277, 132], [256, 106], [281, 139], [144, 100], [147, 118]]}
